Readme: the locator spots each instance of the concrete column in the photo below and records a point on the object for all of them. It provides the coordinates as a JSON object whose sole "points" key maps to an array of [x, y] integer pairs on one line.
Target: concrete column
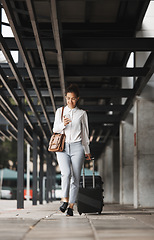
{"points": [[144, 127], [100, 165], [108, 167], [108, 173], [116, 170], [143, 153], [126, 160]]}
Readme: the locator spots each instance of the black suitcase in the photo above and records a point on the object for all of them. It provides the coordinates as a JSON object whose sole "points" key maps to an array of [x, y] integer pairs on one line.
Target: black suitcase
{"points": [[90, 196]]}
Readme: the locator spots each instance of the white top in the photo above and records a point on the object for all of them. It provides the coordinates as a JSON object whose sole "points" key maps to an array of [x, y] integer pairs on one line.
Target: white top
{"points": [[77, 130]]}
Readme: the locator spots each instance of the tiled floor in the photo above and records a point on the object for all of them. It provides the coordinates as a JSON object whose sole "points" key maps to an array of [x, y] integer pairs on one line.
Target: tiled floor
{"points": [[46, 222]]}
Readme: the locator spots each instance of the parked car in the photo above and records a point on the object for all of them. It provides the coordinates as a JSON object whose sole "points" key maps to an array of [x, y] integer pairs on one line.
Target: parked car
{"points": [[6, 193]]}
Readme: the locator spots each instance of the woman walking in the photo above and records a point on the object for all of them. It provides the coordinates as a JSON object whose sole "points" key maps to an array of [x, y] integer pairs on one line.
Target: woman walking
{"points": [[75, 126]]}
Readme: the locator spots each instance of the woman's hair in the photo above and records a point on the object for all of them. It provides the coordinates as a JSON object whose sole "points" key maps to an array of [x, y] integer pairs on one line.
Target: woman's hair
{"points": [[73, 88]]}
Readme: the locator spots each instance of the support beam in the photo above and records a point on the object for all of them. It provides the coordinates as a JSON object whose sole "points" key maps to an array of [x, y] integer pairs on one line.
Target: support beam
{"points": [[93, 118], [89, 108], [6, 103], [11, 119], [12, 133], [28, 173], [122, 28], [142, 12], [93, 44], [41, 172], [48, 180], [15, 72], [126, 44], [38, 72], [56, 34], [139, 85], [32, 14], [20, 160], [7, 5], [84, 71], [8, 119], [84, 93], [34, 168], [7, 128], [30, 44], [5, 135], [89, 71], [13, 94]]}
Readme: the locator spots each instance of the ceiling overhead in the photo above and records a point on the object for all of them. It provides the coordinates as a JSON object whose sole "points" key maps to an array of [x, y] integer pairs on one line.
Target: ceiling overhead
{"points": [[87, 42]]}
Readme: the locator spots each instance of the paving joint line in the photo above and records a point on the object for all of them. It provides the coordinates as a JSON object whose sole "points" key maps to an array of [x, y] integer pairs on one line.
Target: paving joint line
{"points": [[139, 220], [93, 228], [147, 224], [32, 227]]}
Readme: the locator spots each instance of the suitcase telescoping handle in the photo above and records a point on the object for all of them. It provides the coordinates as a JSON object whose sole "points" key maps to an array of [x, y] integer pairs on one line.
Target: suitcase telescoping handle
{"points": [[93, 173]]}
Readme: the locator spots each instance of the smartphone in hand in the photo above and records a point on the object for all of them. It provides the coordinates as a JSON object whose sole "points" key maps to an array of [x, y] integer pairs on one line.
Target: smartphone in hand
{"points": [[67, 116]]}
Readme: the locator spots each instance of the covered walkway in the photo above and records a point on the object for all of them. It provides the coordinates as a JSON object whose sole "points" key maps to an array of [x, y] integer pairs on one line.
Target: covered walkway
{"points": [[46, 222], [107, 48]]}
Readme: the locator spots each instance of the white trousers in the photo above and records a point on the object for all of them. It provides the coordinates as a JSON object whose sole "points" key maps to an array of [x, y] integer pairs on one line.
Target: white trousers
{"points": [[70, 162]]}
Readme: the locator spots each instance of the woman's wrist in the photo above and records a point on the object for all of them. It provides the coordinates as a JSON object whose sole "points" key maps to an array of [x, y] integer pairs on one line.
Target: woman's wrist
{"points": [[88, 156]]}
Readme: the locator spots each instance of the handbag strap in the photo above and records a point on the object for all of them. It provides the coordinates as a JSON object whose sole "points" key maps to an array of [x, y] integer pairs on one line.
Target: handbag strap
{"points": [[62, 117], [62, 113]]}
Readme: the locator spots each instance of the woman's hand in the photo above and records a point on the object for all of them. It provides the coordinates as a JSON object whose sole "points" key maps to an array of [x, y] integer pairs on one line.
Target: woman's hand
{"points": [[88, 156], [66, 121]]}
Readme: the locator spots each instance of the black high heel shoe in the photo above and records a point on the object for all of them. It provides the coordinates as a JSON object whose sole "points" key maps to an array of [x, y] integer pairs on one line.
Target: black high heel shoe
{"points": [[69, 212], [63, 207]]}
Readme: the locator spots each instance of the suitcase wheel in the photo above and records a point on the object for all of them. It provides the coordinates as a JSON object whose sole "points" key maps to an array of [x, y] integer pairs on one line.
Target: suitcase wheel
{"points": [[99, 213], [80, 213]]}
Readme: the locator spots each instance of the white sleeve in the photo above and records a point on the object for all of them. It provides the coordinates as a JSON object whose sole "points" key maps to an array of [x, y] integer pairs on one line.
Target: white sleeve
{"points": [[58, 125], [85, 133]]}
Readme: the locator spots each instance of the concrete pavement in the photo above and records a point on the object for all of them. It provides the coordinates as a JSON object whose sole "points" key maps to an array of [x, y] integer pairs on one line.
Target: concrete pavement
{"points": [[46, 222]]}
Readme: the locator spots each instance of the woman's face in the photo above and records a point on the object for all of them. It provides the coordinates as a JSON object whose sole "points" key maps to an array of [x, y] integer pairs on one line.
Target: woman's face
{"points": [[71, 100]]}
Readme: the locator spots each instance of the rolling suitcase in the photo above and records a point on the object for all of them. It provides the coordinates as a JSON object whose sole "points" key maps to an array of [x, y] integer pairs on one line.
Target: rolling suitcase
{"points": [[90, 196]]}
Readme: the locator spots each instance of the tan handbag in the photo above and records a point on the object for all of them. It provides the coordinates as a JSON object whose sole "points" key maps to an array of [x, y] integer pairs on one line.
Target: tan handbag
{"points": [[57, 140]]}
